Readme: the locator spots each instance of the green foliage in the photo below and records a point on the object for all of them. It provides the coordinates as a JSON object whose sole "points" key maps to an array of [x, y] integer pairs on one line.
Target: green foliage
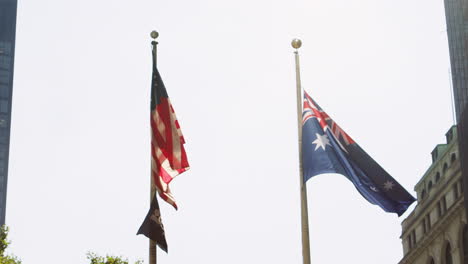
{"points": [[3, 239], [9, 260], [95, 259], [6, 259]]}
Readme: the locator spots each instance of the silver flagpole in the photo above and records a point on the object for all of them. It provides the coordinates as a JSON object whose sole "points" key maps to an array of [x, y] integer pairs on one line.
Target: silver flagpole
{"points": [[152, 244], [296, 44]]}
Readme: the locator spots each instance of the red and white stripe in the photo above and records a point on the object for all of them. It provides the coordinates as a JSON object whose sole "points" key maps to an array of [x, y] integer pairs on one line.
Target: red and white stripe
{"points": [[168, 157]]}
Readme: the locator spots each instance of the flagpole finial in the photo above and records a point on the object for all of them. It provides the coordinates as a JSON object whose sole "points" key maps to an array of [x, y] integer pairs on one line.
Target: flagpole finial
{"points": [[296, 43], [154, 34]]}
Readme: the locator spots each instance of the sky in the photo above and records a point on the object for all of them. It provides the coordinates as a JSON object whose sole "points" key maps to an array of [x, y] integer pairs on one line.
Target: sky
{"points": [[80, 136]]}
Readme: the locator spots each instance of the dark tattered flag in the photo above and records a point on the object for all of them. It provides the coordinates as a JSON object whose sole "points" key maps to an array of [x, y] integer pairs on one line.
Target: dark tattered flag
{"points": [[153, 227]]}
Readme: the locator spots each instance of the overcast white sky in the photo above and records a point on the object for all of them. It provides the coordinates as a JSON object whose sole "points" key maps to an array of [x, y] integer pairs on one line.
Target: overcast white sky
{"points": [[80, 155]]}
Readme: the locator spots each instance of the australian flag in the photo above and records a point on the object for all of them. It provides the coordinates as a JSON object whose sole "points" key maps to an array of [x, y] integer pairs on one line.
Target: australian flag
{"points": [[326, 148]]}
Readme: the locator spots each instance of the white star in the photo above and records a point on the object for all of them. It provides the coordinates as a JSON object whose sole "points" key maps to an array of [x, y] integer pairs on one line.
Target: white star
{"points": [[374, 189], [388, 185], [321, 141]]}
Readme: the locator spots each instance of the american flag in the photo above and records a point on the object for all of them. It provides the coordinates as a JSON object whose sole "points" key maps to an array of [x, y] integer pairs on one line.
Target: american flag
{"points": [[168, 157]]}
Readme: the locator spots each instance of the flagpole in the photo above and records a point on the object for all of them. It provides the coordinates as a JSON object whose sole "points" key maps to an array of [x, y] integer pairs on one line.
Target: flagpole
{"points": [[296, 44], [152, 243]]}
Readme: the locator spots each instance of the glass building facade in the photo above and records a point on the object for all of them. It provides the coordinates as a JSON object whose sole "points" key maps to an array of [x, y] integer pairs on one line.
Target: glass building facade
{"points": [[456, 14], [7, 52]]}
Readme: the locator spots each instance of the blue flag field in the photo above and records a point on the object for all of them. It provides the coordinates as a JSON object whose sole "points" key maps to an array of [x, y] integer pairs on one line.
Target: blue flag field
{"points": [[326, 148]]}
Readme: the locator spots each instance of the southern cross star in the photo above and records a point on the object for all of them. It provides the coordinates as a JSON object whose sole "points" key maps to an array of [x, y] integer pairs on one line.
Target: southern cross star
{"points": [[388, 185], [321, 141]]}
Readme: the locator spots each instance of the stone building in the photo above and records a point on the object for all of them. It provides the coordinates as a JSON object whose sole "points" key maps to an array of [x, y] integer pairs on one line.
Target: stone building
{"points": [[436, 231]]}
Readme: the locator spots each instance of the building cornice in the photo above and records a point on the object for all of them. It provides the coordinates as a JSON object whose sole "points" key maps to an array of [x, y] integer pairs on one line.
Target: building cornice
{"points": [[415, 216], [455, 211]]}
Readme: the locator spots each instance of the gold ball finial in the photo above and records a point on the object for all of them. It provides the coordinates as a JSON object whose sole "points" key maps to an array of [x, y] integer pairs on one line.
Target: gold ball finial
{"points": [[296, 43], [154, 34]]}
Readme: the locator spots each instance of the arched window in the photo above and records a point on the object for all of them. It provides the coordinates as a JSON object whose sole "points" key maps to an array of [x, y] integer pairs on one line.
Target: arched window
{"points": [[437, 177], [445, 167], [448, 254], [453, 157], [429, 186]]}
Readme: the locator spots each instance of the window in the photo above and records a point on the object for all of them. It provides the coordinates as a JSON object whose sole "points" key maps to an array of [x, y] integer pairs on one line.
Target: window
{"points": [[434, 155], [431, 261], [441, 206], [429, 185], [3, 106], [5, 62], [2, 168], [453, 157], [4, 90], [2, 153], [411, 239], [5, 47], [426, 223], [449, 136], [465, 12], [437, 178], [444, 204], [455, 190], [439, 209], [4, 77], [3, 122], [448, 254], [445, 168]]}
